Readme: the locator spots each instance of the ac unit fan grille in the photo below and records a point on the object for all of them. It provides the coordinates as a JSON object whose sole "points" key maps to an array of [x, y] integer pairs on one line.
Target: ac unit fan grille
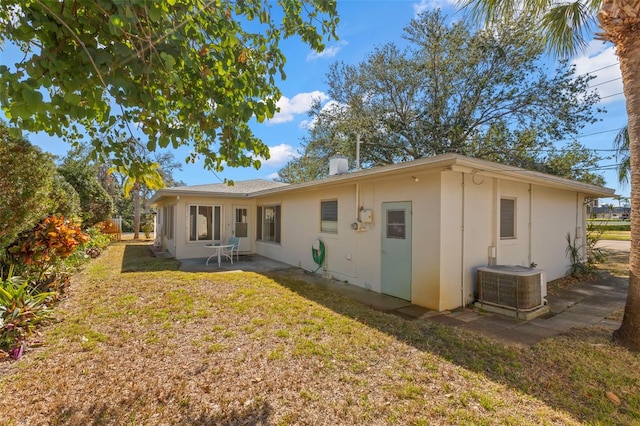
{"points": [[512, 291]]}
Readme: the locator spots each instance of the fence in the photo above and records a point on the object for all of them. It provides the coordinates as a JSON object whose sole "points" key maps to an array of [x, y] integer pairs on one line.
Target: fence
{"points": [[112, 227]]}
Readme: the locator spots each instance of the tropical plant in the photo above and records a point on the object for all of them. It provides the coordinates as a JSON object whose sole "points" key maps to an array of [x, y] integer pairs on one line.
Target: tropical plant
{"points": [[148, 176], [594, 234], [147, 226], [21, 309], [621, 145], [563, 25], [40, 251]]}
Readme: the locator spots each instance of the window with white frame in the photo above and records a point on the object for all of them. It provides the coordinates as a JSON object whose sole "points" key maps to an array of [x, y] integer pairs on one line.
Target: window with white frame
{"points": [[205, 223], [167, 221], [507, 218], [268, 223], [329, 216]]}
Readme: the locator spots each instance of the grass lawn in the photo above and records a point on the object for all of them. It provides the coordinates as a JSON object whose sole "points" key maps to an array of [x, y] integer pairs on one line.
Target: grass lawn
{"points": [[616, 235], [141, 343]]}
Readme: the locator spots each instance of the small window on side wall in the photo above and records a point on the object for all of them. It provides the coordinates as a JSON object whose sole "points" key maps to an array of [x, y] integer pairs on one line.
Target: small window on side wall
{"points": [[507, 218], [329, 216]]}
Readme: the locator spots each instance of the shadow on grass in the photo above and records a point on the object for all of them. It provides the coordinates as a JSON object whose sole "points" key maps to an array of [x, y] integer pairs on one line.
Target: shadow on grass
{"points": [[571, 373], [257, 414], [137, 257]]}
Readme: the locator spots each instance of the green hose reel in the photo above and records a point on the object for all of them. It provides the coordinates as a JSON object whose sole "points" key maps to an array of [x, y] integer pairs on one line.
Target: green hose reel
{"points": [[317, 252]]}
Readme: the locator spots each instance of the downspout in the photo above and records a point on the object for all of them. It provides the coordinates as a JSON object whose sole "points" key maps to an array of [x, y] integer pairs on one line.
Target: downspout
{"points": [[462, 298], [530, 221], [357, 151], [357, 201], [578, 228]]}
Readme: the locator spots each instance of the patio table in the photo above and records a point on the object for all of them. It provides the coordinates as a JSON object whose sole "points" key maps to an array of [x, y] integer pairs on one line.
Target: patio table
{"points": [[220, 250]]}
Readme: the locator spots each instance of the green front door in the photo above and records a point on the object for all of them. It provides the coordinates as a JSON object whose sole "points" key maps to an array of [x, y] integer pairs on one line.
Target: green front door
{"points": [[396, 249]]}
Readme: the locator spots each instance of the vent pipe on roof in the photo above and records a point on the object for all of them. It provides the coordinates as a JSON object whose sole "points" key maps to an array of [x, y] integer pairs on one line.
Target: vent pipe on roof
{"points": [[338, 165]]}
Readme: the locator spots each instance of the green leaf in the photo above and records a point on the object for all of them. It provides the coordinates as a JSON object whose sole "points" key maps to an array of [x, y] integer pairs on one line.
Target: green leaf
{"points": [[169, 61], [30, 96]]}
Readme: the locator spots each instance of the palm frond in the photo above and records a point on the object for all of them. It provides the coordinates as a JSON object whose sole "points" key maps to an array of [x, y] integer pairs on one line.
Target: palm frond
{"points": [[564, 26], [621, 145]]}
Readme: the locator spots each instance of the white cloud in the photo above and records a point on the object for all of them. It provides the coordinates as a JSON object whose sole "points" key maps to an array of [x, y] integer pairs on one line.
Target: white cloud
{"points": [[272, 176], [299, 104], [280, 155], [425, 5], [328, 52], [601, 61], [331, 107]]}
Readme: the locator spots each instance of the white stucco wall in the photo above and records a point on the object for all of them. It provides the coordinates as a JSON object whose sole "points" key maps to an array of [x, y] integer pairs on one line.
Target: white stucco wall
{"points": [[514, 251], [549, 213], [480, 229], [355, 256], [182, 248], [555, 213], [455, 221]]}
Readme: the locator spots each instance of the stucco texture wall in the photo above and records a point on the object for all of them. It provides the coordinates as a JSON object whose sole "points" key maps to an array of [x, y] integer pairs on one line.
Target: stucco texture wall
{"points": [[355, 256]]}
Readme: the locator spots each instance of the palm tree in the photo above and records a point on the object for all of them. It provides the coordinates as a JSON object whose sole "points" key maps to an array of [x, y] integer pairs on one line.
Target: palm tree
{"points": [[563, 26], [621, 145], [148, 174]]}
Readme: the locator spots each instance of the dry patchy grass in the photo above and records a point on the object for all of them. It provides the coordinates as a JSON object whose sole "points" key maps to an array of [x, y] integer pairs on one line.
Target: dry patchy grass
{"points": [[141, 343], [617, 263]]}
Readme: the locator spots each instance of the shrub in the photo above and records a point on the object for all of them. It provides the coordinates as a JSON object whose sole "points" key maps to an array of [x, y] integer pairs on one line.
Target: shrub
{"points": [[92, 248], [42, 250], [26, 180], [22, 307]]}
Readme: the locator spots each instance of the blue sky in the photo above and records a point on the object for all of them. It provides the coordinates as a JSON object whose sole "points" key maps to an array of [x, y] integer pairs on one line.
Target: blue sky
{"points": [[365, 24]]}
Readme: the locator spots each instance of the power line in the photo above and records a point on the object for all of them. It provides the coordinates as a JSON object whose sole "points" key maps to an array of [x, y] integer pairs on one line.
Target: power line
{"points": [[611, 96], [588, 134], [605, 82], [603, 68]]}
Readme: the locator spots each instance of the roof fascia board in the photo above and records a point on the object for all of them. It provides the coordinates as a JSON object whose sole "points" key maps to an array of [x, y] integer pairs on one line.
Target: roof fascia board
{"points": [[453, 162], [485, 168]]}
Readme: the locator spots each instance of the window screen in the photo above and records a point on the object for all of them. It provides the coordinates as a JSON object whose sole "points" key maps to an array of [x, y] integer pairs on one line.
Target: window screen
{"points": [[507, 218], [205, 223], [329, 216], [268, 223], [396, 224]]}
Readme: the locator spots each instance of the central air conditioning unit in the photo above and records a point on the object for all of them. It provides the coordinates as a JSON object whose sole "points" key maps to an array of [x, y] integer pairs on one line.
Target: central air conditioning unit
{"points": [[512, 290]]}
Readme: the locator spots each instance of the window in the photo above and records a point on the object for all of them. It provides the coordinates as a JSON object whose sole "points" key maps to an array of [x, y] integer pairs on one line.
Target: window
{"points": [[507, 218], [329, 216], [268, 223], [204, 223], [396, 224], [241, 229], [167, 222]]}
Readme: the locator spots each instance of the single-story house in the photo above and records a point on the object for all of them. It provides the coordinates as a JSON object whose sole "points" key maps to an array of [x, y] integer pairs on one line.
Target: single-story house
{"points": [[417, 230]]}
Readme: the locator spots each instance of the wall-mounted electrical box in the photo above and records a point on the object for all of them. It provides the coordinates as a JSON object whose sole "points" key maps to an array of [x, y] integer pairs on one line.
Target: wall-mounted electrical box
{"points": [[366, 216]]}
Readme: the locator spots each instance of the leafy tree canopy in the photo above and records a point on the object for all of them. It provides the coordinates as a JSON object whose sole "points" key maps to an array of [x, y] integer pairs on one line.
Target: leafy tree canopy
{"points": [[185, 72], [95, 202], [30, 188], [484, 94]]}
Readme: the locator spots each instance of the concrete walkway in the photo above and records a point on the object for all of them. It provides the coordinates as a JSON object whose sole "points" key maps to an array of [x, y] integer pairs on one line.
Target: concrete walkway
{"points": [[579, 305]]}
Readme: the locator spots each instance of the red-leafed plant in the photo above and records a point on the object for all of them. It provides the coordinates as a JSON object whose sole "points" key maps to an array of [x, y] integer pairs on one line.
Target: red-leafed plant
{"points": [[53, 239]]}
